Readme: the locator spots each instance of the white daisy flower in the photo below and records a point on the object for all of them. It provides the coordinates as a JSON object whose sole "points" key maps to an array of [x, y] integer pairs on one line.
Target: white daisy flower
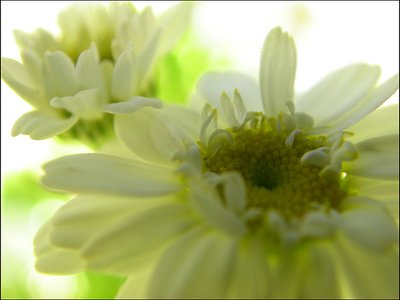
{"points": [[272, 202], [102, 63]]}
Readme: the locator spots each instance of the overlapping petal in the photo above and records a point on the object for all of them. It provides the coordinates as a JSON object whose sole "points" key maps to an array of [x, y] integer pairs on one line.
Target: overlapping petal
{"points": [[250, 272], [54, 260], [79, 221], [88, 71], [378, 158], [60, 77], [367, 274], [85, 104], [138, 234], [368, 223], [124, 80], [370, 103], [208, 204], [338, 93], [173, 24], [20, 80], [385, 191], [211, 85], [197, 265], [38, 41], [321, 268], [158, 134]]}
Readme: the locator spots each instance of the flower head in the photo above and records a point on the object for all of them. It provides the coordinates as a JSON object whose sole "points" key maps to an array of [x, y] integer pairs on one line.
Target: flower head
{"points": [[104, 56], [270, 202]]}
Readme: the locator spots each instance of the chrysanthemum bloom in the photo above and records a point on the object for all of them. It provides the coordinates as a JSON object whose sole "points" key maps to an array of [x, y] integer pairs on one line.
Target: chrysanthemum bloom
{"points": [[103, 57], [273, 203]]}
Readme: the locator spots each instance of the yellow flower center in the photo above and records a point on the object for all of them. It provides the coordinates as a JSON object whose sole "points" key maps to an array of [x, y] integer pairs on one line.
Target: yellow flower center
{"points": [[274, 175]]}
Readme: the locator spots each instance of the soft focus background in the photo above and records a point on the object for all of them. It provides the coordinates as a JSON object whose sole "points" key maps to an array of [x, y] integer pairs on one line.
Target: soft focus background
{"points": [[328, 36]]}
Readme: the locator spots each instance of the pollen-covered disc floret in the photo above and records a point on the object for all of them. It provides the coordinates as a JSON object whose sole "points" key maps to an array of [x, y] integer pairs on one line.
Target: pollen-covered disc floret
{"points": [[275, 176]]}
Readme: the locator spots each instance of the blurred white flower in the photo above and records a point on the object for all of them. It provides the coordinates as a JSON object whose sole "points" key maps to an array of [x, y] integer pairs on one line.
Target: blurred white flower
{"points": [[104, 56]]}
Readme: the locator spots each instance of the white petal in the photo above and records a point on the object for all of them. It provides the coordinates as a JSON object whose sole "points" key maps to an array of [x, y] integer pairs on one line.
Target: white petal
{"points": [[40, 125], [132, 105], [125, 244], [85, 104], [140, 29], [60, 77], [124, 80], [208, 203], [368, 223], [135, 132], [209, 123], [211, 85], [197, 265], [250, 274], [54, 260], [277, 72], [39, 41], [374, 100], [288, 272], [378, 158], [13, 70], [99, 173], [146, 59], [383, 121], [338, 93], [188, 120], [132, 32], [88, 70], [368, 275], [167, 137], [174, 22]]}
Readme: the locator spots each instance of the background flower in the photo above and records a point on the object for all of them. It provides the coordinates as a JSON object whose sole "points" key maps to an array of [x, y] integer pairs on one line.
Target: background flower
{"points": [[103, 56]]}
